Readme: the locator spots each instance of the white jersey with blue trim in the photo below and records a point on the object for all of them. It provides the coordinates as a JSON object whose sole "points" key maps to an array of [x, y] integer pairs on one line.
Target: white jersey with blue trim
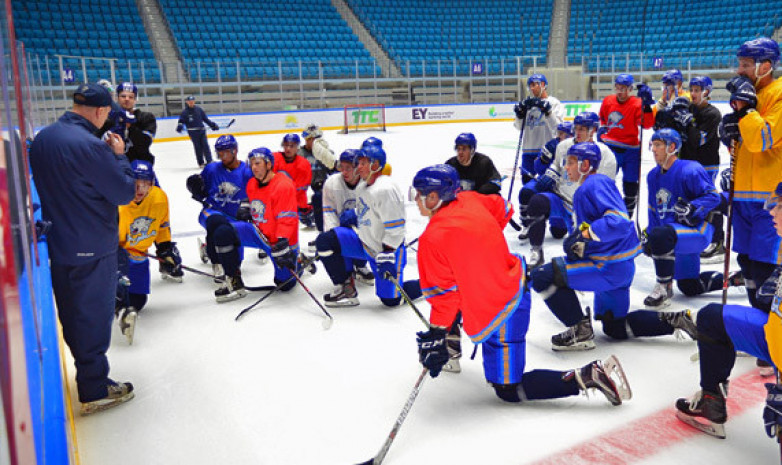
{"points": [[337, 197], [380, 209], [540, 128], [565, 187]]}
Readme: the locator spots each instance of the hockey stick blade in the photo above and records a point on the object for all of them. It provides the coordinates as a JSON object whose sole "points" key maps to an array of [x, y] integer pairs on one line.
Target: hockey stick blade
{"points": [[712, 429], [230, 123]]}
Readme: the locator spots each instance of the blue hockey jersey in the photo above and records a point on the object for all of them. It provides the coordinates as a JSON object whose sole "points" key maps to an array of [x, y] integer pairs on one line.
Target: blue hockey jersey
{"points": [[226, 189], [685, 179], [598, 203]]}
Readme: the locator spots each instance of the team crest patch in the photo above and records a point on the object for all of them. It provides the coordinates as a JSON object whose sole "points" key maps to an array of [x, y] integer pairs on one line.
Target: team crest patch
{"points": [[614, 120], [361, 212], [258, 210], [663, 199], [140, 229], [225, 193]]}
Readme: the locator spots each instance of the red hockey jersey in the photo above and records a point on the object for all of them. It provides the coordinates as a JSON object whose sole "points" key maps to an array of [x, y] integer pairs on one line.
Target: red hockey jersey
{"points": [[299, 171], [274, 208], [622, 121]]}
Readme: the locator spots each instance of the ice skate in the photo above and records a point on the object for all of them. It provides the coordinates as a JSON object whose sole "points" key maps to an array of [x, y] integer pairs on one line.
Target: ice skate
{"points": [[765, 369], [577, 337], [536, 257], [127, 323], [217, 270], [263, 257], [453, 343], [523, 233], [713, 253], [660, 296], [202, 251], [312, 248], [607, 377], [231, 289], [118, 394], [365, 275], [682, 322], [705, 411], [736, 279], [310, 268], [171, 275], [343, 295]]}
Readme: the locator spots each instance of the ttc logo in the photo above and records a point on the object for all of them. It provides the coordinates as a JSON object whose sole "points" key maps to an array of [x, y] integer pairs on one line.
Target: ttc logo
{"points": [[365, 116]]}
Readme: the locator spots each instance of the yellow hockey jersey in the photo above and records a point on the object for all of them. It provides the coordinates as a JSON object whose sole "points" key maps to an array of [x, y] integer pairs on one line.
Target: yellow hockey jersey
{"points": [[773, 330], [141, 225], [759, 155]]}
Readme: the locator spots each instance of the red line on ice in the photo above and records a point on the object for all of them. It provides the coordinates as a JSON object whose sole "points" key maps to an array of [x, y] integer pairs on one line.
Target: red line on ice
{"points": [[646, 436]]}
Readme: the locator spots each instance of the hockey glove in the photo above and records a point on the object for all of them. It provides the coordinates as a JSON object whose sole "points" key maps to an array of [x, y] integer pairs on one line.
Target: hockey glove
{"points": [[601, 131], [307, 216], [432, 351], [179, 128], [645, 94], [530, 102], [244, 212], [544, 105], [547, 182], [683, 118], [548, 151], [386, 263], [520, 110], [214, 127], [42, 228], [646, 247], [574, 246], [729, 129], [772, 414], [129, 118], [283, 255], [172, 262], [348, 218], [725, 180], [685, 213], [195, 184]]}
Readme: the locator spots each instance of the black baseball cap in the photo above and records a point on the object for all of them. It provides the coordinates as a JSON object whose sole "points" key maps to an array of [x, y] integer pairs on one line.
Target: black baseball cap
{"points": [[92, 95]]}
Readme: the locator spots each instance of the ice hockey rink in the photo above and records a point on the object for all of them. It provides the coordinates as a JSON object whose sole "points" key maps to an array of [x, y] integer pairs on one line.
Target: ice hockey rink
{"points": [[276, 388]]}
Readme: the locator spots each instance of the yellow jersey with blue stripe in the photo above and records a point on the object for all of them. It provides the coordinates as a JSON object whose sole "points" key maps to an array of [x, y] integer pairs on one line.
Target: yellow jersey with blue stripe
{"points": [[145, 223]]}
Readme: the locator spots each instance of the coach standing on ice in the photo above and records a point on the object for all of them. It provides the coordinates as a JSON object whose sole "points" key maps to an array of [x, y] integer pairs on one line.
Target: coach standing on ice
{"points": [[82, 180], [193, 118]]}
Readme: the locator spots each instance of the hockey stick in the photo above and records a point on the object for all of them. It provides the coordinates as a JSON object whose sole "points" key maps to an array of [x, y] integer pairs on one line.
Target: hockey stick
{"points": [[406, 297], [516, 163], [640, 158], [378, 459], [728, 229], [230, 123], [329, 319]]}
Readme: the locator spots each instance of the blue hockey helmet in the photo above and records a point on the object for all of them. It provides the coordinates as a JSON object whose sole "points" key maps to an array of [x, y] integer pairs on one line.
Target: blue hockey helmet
{"points": [[127, 87], [291, 138], [624, 80], [760, 49], [588, 119], [372, 141], [374, 153], [351, 156], [442, 179], [466, 138], [537, 78], [681, 103], [261, 153], [672, 76], [668, 136], [586, 151], [566, 127], [774, 199], [226, 142], [704, 82], [142, 170]]}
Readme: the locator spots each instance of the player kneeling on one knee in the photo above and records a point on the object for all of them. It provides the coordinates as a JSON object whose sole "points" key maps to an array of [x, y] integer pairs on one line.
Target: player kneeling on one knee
{"points": [[373, 231], [489, 286], [681, 195]]}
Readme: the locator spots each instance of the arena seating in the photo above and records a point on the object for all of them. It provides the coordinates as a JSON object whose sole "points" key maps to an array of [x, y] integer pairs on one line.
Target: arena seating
{"points": [[462, 29], [91, 28], [230, 31], [702, 33]]}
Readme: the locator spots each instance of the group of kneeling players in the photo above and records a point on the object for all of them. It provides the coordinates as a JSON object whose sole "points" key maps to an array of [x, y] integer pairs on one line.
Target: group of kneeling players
{"points": [[569, 175]]}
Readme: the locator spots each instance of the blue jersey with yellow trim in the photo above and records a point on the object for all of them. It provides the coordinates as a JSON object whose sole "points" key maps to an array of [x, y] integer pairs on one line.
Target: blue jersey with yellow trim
{"points": [[685, 179], [226, 188], [598, 203]]}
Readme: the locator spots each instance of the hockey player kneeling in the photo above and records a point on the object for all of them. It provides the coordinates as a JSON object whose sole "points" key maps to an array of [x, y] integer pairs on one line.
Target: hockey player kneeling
{"points": [[489, 286], [142, 222]]}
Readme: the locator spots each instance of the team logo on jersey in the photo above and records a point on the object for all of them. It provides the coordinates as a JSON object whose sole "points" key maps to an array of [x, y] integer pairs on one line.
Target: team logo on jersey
{"points": [[663, 199], [258, 210], [139, 230], [349, 204], [614, 120], [535, 118], [225, 193], [361, 212], [467, 185]]}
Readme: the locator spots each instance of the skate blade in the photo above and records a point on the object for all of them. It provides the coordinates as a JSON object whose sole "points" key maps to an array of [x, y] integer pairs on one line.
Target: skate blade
{"points": [[663, 305], [342, 303], [712, 429], [713, 260], [614, 371], [89, 408], [173, 279], [766, 372], [232, 296], [453, 366], [578, 346], [130, 328]]}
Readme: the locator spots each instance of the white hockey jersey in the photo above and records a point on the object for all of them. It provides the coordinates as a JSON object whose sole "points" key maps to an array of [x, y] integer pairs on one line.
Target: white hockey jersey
{"points": [[566, 188], [539, 128], [380, 209], [337, 197]]}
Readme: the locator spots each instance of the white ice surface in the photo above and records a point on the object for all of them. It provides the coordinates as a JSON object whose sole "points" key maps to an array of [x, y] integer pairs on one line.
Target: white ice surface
{"points": [[275, 388]]}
